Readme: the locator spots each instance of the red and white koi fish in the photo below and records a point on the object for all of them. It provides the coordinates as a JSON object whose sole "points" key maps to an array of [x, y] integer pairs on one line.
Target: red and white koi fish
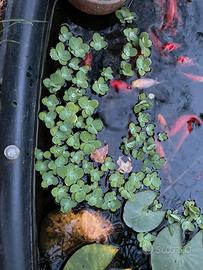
{"points": [[100, 154], [121, 86], [144, 83], [184, 60], [193, 77], [162, 121], [170, 46], [171, 14], [87, 61], [182, 122]]}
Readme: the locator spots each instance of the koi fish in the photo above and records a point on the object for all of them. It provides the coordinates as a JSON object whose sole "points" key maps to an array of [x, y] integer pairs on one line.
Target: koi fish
{"points": [[99, 155], [183, 137], [144, 83], [170, 47], [182, 122], [193, 121], [120, 86], [171, 14], [87, 61], [162, 121], [193, 77], [184, 60]]}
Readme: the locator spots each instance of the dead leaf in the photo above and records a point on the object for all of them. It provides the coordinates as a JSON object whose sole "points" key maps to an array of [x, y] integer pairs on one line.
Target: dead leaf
{"points": [[99, 155], [124, 167]]}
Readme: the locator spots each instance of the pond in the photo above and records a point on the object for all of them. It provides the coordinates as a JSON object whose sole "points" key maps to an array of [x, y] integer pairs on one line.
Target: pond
{"points": [[178, 94]]}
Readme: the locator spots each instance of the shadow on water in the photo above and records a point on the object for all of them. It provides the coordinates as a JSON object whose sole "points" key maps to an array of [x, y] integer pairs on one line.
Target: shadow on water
{"points": [[175, 96]]}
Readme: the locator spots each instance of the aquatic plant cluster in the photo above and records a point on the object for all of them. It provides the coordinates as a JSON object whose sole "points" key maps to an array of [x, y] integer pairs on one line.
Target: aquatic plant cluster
{"points": [[73, 169], [73, 126]]}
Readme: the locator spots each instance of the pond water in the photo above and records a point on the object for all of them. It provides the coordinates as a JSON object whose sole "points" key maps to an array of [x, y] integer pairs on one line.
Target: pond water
{"points": [[176, 95]]}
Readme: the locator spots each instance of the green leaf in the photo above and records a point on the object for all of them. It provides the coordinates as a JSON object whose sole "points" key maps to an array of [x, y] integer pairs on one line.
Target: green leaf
{"points": [[74, 63], [145, 241], [60, 54], [65, 34], [66, 73], [73, 94], [38, 154], [143, 65], [126, 69], [131, 35], [162, 136], [68, 112], [80, 79], [91, 257], [107, 73], [108, 165], [152, 180], [169, 253], [98, 43], [137, 214], [50, 102], [116, 179], [88, 105], [100, 86], [77, 47], [128, 51], [125, 16], [94, 125], [55, 82]]}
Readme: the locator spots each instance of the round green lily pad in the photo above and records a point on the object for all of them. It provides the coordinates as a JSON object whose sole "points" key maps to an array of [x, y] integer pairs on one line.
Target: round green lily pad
{"points": [[91, 257], [137, 214], [168, 252]]}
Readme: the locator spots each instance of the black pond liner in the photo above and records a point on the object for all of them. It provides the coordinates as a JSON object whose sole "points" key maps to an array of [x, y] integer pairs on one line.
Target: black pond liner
{"points": [[23, 204]]}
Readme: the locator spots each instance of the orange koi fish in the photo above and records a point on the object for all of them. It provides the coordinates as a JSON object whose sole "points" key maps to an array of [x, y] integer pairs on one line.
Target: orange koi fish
{"points": [[87, 61], [184, 60], [170, 47], [162, 121], [144, 83], [120, 86], [183, 137], [171, 14], [193, 77], [182, 122]]}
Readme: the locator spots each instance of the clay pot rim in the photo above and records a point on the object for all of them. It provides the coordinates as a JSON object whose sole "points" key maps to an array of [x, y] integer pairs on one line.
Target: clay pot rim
{"points": [[103, 2]]}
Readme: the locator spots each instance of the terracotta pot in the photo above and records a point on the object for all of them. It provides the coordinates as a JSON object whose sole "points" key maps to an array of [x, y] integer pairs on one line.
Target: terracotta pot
{"points": [[97, 7]]}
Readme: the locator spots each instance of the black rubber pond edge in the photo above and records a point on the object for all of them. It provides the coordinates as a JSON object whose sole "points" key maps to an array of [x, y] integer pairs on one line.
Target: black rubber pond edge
{"points": [[22, 52]]}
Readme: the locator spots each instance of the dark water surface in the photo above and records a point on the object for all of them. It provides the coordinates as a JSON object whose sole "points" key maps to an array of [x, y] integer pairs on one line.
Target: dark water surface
{"points": [[175, 96]]}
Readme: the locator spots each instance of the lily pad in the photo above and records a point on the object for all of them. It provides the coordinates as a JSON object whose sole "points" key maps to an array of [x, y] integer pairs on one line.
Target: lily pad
{"points": [[91, 257], [169, 253], [137, 214]]}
